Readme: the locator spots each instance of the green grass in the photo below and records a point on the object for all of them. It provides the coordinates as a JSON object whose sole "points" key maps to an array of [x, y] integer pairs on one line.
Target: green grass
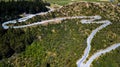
{"points": [[110, 59], [59, 2], [65, 2]]}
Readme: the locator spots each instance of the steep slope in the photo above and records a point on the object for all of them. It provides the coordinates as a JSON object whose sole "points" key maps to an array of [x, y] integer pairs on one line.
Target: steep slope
{"points": [[62, 44]]}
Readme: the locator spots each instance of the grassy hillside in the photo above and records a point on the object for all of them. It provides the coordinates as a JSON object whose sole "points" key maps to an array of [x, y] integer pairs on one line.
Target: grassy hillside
{"points": [[62, 44], [108, 60], [57, 45], [64, 2]]}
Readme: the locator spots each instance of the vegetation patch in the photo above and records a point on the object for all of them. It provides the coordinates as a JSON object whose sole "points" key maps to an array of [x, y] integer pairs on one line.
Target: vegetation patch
{"points": [[56, 45], [12, 9], [62, 44]]}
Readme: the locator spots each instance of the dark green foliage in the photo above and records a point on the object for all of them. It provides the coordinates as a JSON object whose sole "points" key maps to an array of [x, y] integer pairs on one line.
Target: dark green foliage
{"points": [[60, 45], [15, 40], [4, 64], [12, 9]]}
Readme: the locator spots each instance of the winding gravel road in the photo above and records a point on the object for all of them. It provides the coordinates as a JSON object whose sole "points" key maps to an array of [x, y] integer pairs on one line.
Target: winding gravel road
{"points": [[85, 20], [80, 62]]}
